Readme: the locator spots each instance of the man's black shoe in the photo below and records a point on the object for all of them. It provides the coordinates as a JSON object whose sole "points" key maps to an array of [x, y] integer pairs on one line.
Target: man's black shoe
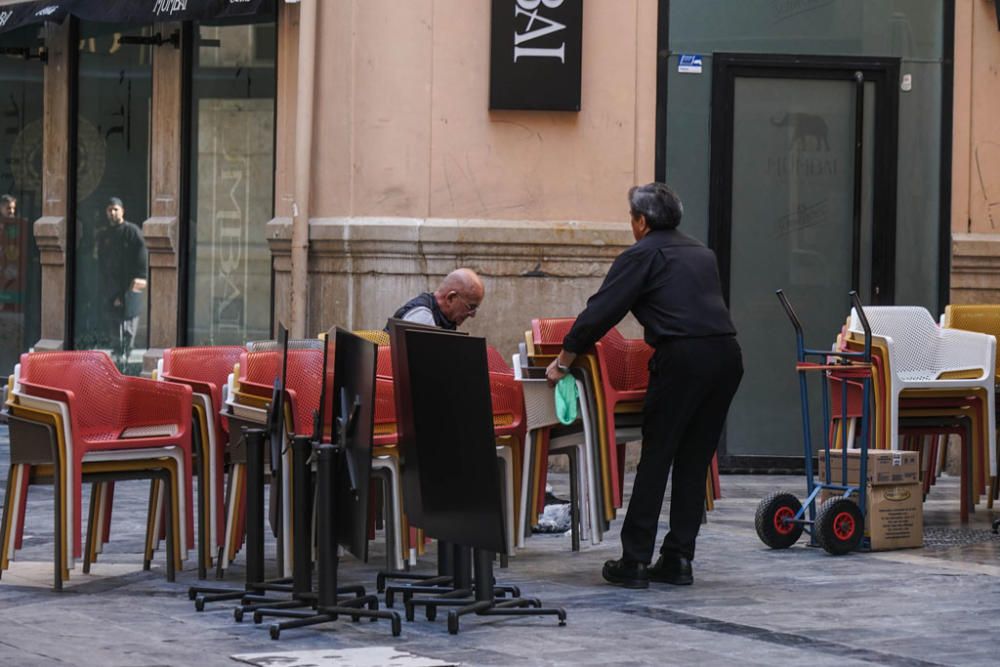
{"points": [[627, 574], [671, 569]]}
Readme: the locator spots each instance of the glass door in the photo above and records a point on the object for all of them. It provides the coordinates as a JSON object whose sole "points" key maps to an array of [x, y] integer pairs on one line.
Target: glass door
{"points": [[112, 193], [803, 193], [232, 184]]}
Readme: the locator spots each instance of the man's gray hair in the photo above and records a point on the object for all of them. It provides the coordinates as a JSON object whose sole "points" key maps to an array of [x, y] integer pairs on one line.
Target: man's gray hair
{"points": [[659, 204]]}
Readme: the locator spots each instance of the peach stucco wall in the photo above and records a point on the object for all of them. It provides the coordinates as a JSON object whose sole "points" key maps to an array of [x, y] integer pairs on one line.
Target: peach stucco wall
{"points": [[975, 209], [403, 126], [976, 165]]}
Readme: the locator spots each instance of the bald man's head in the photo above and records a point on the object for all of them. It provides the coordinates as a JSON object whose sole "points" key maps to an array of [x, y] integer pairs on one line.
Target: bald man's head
{"points": [[460, 294]]}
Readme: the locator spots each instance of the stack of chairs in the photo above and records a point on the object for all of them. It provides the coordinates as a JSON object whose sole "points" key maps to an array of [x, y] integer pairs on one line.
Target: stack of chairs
{"points": [[509, 429], [614, 377], [247, 403], [508, 424], [930, 381], [206, 370], [985, 319], [75, 417], [385, 457], [576, 441]]}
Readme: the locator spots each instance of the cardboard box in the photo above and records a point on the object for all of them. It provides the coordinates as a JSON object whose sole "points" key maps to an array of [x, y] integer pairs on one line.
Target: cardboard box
{"points": [[884, 466], [895, 517]]}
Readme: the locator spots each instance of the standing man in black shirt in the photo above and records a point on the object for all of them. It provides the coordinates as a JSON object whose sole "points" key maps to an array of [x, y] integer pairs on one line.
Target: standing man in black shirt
{"points": [[121, 255], [670, 282], [455, 300]]}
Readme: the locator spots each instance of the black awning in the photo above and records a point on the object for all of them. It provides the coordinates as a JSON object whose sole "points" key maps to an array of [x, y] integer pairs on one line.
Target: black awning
{"points": [[141, 12], [24, 13], [129, 12]]}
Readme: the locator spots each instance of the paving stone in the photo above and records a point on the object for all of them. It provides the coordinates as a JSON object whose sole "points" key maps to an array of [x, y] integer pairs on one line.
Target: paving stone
{"points": [[749, 606]]}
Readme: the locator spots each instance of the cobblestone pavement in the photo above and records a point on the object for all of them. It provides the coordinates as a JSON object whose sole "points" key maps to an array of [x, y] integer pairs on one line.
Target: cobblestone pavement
{"points": [[939, 605]]}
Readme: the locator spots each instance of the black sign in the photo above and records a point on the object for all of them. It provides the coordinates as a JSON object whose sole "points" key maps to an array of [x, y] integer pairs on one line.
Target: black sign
{"points": [[535, 51]]}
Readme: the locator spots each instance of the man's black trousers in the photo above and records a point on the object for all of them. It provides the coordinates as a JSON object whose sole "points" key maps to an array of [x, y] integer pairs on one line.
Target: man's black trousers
{"points": [[691, 384]]}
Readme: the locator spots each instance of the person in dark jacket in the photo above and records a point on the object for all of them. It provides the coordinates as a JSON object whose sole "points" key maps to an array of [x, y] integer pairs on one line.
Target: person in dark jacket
{"points": [[121, 256], [456, 299], [670, 282]]}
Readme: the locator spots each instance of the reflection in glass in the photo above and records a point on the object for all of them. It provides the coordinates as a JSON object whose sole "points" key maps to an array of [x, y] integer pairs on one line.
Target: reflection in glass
{"points": [[20, 192], [115, 90], [232, 183]]}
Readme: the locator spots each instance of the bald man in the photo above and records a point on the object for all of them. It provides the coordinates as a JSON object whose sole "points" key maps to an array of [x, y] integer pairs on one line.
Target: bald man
{"points": [[456, 299]]}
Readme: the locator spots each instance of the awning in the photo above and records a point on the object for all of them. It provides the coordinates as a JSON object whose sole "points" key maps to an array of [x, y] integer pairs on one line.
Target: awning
{"points": [[23, 13], [129, 12]]}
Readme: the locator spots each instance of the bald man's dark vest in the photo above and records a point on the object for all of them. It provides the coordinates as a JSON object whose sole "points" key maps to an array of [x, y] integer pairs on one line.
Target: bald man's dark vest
{"points": [[427, 300]]}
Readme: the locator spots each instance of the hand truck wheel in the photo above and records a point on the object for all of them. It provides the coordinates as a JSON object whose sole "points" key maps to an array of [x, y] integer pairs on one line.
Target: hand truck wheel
{"points": [[773, 520], [839, 526]]}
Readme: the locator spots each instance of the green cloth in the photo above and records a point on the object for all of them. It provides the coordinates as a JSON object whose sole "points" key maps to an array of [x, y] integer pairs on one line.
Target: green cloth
{"points": [[566, 399]]}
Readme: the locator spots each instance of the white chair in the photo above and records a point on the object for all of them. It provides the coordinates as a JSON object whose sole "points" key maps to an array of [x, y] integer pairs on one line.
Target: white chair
{"points": [[540, 413], [387, 469], [922, 355]]}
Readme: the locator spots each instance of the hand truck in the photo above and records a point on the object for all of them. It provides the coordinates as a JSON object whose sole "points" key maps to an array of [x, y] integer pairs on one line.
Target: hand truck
{"points": [[838, 525]]}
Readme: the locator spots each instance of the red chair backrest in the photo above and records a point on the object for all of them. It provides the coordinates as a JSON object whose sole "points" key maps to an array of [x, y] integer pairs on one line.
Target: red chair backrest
{"points": [[547, 333], [496, 362], [385, 402], [210, 365], [303, 385], [507, 398], [384, 364], [627, 361], [102, 403]]}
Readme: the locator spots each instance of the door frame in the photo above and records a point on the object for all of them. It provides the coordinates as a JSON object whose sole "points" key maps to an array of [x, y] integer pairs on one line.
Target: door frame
{"points": [[884, 73]]}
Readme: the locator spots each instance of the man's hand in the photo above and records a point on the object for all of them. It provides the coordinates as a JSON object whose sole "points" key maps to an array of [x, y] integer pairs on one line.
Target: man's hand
{"points": [[564, 359], [553, 374], [138, 284]]}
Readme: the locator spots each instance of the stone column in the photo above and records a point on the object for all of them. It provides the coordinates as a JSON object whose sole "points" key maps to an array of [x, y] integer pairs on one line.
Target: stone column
{"points": [[279, 239], [161, 243], [50, 230], [162, 228], [50, 235]]}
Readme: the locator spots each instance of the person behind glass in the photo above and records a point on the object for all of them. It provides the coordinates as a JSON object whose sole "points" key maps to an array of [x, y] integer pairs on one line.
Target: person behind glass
{"points": [[8, 207], [121, 256], [11, 255], [456, 299], [671, 284]]}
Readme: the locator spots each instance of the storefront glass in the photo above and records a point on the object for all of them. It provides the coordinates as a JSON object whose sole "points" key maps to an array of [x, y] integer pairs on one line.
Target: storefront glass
{"points": [[114, 102], [20, 191], [232, 186]]}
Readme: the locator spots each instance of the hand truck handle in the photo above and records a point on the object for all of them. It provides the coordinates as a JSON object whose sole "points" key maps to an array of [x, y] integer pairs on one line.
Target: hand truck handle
{"points": [[789, 311], [864, 322]]}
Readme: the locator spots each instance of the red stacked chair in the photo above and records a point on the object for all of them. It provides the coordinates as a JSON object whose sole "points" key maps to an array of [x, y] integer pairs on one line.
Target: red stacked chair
{"points": [[205, 370], [110, 411], [624, 365]]}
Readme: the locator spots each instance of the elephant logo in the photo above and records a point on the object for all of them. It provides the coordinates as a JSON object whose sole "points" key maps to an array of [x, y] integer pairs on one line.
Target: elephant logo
{"points": [[809, 131]]}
